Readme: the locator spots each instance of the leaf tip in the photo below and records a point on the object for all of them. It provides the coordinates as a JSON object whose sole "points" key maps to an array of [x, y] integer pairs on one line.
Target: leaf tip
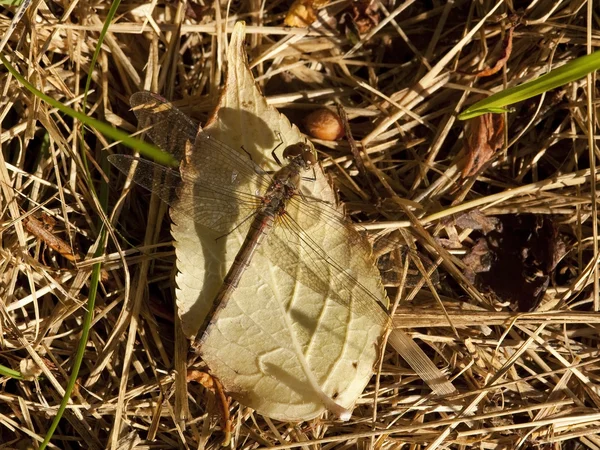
{"points": [[345, 415]]}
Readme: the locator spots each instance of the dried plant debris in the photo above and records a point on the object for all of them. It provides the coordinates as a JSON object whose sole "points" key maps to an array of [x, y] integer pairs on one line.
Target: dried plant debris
{"points": [[504, 53], [399, 266], [359, 157], [216, 388], [303, 13], [43, 230], [364, 16], [501, 61], [484, 136], [476, 220], [515, 260], [402, 71]]}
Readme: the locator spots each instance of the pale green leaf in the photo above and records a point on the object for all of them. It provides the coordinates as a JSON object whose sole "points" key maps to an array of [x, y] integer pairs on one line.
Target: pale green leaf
{"points": [[276, 333]]}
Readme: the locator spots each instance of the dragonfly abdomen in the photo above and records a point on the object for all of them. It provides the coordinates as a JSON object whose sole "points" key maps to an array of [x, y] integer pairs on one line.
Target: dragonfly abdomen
{"points": [[260, 227], [282, 188]]}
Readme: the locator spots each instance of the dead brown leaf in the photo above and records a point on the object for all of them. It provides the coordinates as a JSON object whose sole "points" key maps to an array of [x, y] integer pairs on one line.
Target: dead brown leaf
{"points": [[44, 233], [484, 136], [476, 220], [364, 16], [302, 13], [478, 260], [501, 61], [214, 385]]}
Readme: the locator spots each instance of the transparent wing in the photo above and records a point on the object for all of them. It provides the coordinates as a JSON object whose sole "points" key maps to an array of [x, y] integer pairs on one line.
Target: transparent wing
{"points": [[334, 273], [389, 263], [206, 202], [291, 247], [216, 186], [173, 132], [294, 249], [168, 127]]}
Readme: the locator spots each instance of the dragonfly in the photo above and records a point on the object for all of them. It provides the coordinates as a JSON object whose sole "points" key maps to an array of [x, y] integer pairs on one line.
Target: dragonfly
{"points": [[231, 192]]}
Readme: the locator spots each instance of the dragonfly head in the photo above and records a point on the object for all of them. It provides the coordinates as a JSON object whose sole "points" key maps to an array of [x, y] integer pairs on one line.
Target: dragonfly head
{"points": [[301, 154]]}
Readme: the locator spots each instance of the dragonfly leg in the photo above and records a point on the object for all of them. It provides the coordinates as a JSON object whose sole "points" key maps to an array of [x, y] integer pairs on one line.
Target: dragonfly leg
{"points": [[247, 153], [237, 226], [313, 178], [273, 154], [310, 199], [257, 169]]}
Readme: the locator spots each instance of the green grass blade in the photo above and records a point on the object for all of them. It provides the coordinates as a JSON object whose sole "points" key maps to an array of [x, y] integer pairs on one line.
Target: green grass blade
{"points": [[85, 331], [10, 2], [96, 269], [572, 71], [107, 130], [8, 372]]}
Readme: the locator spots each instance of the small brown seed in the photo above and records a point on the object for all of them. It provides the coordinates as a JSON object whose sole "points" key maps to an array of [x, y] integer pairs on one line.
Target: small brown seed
{"points": [[324, 124]]}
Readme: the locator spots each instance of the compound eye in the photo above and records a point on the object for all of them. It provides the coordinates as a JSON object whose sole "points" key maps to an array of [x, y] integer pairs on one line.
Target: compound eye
{"points": [[309, 157], [300, 151], [292, 151]]}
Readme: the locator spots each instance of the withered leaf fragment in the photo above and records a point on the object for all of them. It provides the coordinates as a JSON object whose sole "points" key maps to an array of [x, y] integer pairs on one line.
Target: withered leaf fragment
{"points": [[302, 13], [484, 136], [515, 262], [391, 262], [42, 232], [476, 220], [501, 61], [364, 16], [478, 260], [214, 385]]}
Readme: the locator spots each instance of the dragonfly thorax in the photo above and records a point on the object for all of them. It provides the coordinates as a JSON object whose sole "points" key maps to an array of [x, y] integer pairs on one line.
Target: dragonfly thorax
{"points": [[300, 155]]}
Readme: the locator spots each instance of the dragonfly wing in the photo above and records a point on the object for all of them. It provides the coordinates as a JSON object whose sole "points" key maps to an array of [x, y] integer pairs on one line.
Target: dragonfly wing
{"points": [[173, 132], [168, 127], [332, 260], [217, 164], [316, 245], [304, 213], [156, 178], [217, 186], [214, 206]]}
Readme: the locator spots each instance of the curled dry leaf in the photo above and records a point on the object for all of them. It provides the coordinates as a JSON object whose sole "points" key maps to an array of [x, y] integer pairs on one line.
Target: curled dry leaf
{"points": [[29, 369], [501, 61], [516, 260], [364, 16], [302, 13], [476, 220], [502, 55], [43, 232], [214, 385], [484, 136], [478, 260]]}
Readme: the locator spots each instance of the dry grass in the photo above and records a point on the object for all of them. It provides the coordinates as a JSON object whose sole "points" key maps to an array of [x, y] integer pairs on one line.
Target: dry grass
{"points": [[532, 378]]}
